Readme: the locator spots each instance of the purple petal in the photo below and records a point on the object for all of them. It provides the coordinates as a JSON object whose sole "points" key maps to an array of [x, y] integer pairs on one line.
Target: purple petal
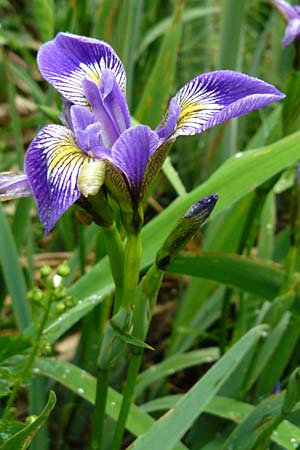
{"points": [[215, 97], [52, 165], [292, 32], [108, 106], [173, 113], [132, 151], [287, 10], [87, 132], [14, 185], [65, 61]]}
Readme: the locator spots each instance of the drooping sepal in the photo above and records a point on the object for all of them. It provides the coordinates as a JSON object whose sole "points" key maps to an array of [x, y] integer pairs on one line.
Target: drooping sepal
{"points": [[52, 165], [68, 59], [213, 98]]}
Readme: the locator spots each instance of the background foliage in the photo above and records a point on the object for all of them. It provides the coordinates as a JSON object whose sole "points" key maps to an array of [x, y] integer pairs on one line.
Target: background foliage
{"points": [[235, 293]]}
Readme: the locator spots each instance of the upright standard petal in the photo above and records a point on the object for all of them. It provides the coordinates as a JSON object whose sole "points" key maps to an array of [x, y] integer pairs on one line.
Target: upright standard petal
{"points": [[215, 97], [108, 106], [52, 166], [131, 154], [66, 61]]}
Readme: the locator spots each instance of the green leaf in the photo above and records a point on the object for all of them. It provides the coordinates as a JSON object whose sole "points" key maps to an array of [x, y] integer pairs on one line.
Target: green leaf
{"points": [[22, 439], [13, 274], [8, 429], [190, 406], [173, 364], [255, 430], [44, 13], [157, 90], [285, 435], [84, 385], [255, 276], [160, 28]]}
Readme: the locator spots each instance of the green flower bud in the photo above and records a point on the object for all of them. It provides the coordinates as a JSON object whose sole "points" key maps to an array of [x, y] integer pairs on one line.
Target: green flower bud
{"points": [[70, 301], [36, 295], [59, 293], [63, 270], [60, 307], [45, 346], [185, 229], [45, 271]]}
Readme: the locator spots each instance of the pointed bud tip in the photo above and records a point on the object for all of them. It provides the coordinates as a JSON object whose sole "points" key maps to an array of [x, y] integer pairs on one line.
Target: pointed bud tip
{"points": [[205, 205]]}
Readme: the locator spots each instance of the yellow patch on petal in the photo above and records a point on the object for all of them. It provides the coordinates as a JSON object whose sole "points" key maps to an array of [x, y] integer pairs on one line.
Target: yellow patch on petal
{"points": [[189, 111], [64, 155], [91, 177]]}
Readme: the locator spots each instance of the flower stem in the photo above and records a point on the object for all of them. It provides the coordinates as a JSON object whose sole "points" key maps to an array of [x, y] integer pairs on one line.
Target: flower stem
{"points": [[30, 361], [102, 376], [115, 252], [133, 370], [133, 252]]}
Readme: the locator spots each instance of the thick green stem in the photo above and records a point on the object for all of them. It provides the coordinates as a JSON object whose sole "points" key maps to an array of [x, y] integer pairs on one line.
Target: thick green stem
{"points": [[30, 361], [133, 253], [115, 252], [99, 411], [133, 370]]}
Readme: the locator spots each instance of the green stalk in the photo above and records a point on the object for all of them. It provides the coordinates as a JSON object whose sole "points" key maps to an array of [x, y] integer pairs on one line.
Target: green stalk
{"points": [[132, 261], [133, 370], [115, 252], [30, 361], [133, 253], [102, 377]]}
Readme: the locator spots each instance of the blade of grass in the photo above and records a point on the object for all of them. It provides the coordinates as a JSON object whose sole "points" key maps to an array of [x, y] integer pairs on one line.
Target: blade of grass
{"points": [[157, 90], [13, 274], [190, 406], [84, 384]]}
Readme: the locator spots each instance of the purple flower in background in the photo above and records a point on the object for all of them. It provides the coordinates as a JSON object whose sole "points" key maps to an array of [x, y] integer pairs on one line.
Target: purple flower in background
{"points": [[66, 161], [292, 16]]}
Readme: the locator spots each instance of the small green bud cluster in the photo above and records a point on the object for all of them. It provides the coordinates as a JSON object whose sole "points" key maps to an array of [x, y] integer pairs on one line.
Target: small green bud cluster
{"points": [[52, 290]]}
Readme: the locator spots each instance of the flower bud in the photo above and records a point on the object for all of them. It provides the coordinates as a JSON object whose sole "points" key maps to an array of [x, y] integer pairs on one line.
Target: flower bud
{"points": [[70, 301], [63, 270], [36, 295], [60, 307], [45, 271], [185, 229]]}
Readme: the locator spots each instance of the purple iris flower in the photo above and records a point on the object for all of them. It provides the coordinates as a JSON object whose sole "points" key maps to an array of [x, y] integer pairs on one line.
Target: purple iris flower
{"points": [[292, 16], [97, 143]]}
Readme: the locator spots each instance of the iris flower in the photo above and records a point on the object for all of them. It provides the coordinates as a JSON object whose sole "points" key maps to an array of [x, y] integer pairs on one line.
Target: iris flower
{"points": [[97, 145], [292, 16]]}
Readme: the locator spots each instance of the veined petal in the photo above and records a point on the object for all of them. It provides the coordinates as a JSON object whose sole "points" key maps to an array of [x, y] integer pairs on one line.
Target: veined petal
{"points": [[215, 97], [52, 165], [131, 153], [13, 185], [292, 32], [66, 60], [108, 106], [167, 128], [288, 11]]}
